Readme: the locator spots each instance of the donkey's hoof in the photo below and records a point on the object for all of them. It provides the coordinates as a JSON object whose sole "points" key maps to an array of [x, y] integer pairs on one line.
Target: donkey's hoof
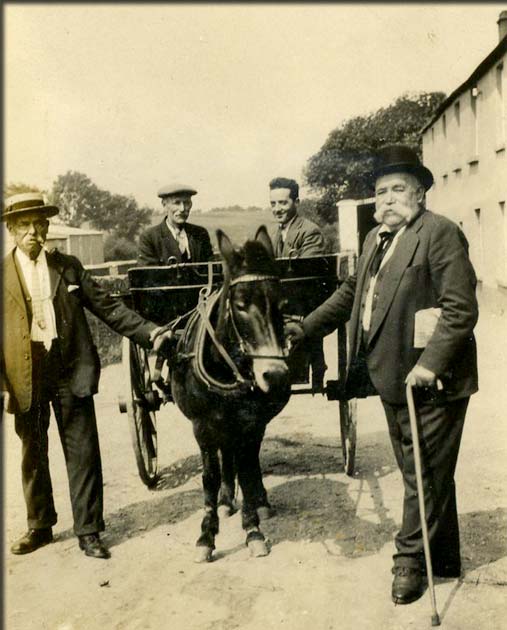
{"points": [[265, 512], [224, 511], [258, 548], [203, 554]]}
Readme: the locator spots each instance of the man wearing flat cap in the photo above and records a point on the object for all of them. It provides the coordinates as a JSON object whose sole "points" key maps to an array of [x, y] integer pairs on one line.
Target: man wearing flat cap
{"points": [[48, 357], [412, 311], [175, 240]]}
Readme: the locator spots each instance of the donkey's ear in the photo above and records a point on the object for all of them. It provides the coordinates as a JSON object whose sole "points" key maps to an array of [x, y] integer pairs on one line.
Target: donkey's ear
{"points": [[226, 248], [263, 237]]}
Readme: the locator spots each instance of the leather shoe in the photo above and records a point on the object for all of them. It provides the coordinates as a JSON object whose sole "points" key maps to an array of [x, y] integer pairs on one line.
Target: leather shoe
{"points": [[32, 540], [407, 585], [93, 546]]}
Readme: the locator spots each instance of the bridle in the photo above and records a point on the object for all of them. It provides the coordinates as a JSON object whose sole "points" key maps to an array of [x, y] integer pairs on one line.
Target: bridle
{"points": [[226, 310]]}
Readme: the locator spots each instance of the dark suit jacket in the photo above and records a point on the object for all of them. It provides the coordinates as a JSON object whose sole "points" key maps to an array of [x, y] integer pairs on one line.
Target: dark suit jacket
{"points": [[429, 268], [303, 236], [157, 244], [72, 288]]}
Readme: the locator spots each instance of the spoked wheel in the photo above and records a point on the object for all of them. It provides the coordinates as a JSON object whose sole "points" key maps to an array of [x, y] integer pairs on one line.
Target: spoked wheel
{"points": [[348, 431], [140, 403]]}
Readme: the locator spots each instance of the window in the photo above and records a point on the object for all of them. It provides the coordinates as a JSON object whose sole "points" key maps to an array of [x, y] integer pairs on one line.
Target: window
{"points": [[433, 134], [500, 108], [444, 125], [478, 246], [457, 113], [474, 95], [503, 262], [445, 179]]}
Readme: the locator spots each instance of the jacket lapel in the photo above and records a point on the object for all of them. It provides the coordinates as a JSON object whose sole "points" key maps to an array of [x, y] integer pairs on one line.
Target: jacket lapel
{"points": [[13, 281], [291, 236], [55, 273], [173, 247], [400, 260]]}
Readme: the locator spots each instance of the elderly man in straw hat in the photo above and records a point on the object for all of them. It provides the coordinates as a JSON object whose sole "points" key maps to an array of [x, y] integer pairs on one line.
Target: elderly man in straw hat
{"points": [[412, 311], [48, 356]]}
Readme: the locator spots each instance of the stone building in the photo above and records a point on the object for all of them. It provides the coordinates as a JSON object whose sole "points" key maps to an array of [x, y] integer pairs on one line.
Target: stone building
{"points": [[465, 147]]}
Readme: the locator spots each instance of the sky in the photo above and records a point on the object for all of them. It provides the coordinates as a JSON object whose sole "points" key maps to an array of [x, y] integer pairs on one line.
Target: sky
{"points": [[222, 97]]}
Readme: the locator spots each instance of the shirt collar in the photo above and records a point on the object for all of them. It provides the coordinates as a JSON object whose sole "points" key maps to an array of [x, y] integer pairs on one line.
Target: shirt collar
{"points": [[26, 260], [174, 231], [287, 225]]}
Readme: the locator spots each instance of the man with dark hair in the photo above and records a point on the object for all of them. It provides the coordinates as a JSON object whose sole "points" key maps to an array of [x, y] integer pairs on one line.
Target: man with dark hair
{"points": [[48, 357], [295, 235], [298, 237], [175, 239], [412, 311]]}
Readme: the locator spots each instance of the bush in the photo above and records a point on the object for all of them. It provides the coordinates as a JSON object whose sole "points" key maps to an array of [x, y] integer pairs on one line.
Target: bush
{"points": [[107, 341], [118, 248]]}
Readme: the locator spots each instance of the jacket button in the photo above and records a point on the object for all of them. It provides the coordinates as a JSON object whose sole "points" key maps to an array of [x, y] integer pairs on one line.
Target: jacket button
{"points": [[26, 357]]}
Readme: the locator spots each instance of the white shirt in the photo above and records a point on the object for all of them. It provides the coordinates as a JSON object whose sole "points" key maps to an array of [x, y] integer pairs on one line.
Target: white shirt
{"points": [[25, 264], [181, 237], [373, 281]]}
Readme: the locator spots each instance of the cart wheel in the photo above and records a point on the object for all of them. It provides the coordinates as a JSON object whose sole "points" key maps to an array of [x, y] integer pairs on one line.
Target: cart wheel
{"points": [[139, 407], [348, 430]]}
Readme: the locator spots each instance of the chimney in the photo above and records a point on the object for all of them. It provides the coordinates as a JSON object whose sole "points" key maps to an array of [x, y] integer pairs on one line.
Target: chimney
{"points": [[502, 25]]}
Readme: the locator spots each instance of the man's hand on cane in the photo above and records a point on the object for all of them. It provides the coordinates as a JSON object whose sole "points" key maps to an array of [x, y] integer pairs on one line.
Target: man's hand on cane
{"points": [[419, 376]]}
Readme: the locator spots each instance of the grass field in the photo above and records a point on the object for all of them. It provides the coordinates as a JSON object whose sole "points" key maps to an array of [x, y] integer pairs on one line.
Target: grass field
{"points": [[237, 225]]}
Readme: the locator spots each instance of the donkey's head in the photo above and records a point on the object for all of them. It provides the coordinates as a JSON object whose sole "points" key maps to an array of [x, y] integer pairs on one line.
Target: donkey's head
{"points": [[255, 303]]}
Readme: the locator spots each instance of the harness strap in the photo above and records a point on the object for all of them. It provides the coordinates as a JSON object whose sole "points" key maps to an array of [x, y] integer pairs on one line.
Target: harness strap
{"points": [[223, 352]]}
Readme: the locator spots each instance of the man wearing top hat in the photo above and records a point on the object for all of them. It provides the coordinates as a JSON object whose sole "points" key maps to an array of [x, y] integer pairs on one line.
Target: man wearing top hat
{"points": [[48, 357], [174, 239], [412, 311]]}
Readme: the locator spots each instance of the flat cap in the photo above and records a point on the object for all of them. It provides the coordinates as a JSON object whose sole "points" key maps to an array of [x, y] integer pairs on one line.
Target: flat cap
{"points": [[176, 189]]}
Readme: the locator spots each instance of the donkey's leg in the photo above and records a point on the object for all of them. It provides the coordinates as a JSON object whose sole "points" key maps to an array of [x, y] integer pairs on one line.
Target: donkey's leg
{"points": [[211, 484], [247, 461], [228, 472], [264, 509]]}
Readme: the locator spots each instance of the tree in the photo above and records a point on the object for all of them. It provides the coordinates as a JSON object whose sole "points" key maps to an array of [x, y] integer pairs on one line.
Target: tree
{"points": [[17, 188], [340, 169], [77, 197], [121, 216], [80, 201]]}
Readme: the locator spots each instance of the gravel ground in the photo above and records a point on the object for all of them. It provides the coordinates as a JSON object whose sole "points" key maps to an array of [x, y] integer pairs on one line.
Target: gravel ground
{"points": [[331, 537]]}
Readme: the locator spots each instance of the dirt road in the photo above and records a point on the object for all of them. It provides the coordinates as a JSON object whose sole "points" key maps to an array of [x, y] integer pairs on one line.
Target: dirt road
{"points": [[331, 538]]}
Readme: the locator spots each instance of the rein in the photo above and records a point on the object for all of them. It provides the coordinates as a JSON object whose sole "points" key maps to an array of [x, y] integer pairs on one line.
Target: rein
{"points": [[216, 335]]}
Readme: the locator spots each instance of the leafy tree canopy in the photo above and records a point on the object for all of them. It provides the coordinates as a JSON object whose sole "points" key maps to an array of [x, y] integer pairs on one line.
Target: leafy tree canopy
{"points": [[80, 201], [340, 169], [15, 188]]}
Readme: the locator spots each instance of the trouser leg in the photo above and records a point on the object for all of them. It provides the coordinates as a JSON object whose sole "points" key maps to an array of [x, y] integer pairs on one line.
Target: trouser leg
{"points": [[78, 433], [32, 428], [440, 430]]}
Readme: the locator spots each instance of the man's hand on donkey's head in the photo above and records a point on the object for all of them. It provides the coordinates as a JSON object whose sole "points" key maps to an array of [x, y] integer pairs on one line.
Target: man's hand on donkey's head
{"points": [[294, 334], [163, 341]]}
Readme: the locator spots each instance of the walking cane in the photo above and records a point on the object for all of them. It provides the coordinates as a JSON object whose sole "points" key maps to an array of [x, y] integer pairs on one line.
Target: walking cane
{"points": [[435, 619]]}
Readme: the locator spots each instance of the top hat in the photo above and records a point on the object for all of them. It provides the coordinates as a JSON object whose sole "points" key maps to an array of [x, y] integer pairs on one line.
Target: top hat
{"points": [[27, 202], [176, 189], [397, 158]]}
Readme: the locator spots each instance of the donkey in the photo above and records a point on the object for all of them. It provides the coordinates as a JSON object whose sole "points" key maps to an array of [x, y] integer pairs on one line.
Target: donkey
{"points": [[230, 378]]}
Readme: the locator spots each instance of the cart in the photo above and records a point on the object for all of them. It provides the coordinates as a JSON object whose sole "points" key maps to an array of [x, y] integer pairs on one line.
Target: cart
{"points": [[169, 294]]}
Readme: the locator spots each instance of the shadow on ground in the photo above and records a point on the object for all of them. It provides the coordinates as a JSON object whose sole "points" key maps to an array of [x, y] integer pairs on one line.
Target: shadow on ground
{"points": [[483, 537], [312, 508]]}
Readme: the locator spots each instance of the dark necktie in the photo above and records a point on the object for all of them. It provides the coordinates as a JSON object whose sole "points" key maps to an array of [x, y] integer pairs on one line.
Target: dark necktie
{"points": [[386, 238], [279, 243]]}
